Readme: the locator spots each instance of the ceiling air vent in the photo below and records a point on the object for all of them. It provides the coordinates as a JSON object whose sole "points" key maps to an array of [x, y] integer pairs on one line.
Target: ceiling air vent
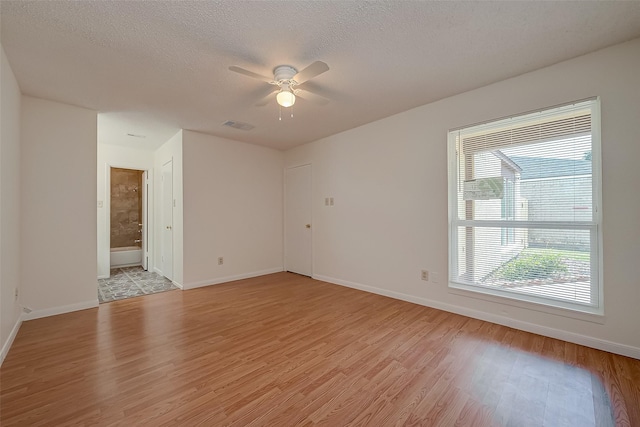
{"points": [[238, 125]]}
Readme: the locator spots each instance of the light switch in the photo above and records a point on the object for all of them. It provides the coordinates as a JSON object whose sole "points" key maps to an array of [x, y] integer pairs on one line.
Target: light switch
{"points": [[330, 201]]}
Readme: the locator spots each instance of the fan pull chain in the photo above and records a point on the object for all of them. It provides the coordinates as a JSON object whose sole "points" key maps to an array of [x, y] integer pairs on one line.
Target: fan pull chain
{"points": [[280, 112]]}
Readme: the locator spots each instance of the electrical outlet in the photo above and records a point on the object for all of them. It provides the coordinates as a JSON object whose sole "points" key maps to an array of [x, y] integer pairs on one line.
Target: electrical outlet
{"points": [[220, 260], [424, 275], [16, 294]]}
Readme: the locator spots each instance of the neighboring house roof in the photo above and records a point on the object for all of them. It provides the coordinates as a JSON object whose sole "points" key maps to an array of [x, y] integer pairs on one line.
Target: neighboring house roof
{"points": [[507, 160], [540, 167]]}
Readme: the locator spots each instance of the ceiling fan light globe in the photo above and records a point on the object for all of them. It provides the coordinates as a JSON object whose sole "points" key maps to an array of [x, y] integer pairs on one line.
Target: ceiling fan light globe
{"points": [[285, 98]]}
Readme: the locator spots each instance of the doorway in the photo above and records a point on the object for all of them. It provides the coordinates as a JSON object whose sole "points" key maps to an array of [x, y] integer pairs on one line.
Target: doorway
{"points": [[128, 231], [127, 223], [297, 221]]}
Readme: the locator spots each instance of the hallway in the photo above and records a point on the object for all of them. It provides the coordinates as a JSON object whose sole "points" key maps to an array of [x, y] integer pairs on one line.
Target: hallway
{"points": [[129, 282]]}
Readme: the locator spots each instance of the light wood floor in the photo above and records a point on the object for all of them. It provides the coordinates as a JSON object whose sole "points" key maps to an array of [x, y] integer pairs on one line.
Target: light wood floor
{"points": [[285, 350]]}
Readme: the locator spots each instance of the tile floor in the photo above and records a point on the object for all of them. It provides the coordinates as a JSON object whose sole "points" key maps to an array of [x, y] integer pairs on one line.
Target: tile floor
{"points": [[129, 282]]}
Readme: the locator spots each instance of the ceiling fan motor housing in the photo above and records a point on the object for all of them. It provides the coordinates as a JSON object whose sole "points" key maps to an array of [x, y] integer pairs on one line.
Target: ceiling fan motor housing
{"points": [[284, 73]]}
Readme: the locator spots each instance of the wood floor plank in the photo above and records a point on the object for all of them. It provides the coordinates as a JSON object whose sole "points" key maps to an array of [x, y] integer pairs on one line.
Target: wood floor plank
{"points": [[286, 350]]}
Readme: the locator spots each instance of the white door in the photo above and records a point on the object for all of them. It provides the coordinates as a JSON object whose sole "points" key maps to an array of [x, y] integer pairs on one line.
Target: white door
{"points": [[297, 223], [167, 220], [145, 220]]}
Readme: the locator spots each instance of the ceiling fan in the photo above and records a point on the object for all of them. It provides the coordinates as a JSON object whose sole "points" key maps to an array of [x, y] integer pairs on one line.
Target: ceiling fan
{"points": [[287, 79]]}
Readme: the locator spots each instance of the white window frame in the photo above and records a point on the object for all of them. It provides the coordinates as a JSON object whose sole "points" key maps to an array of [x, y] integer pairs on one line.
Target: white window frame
{"points": [[507, 235], [594, 312]]}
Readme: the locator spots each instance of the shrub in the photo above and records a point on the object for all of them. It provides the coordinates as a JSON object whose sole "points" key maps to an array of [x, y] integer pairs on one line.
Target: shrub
{"points": [[532, 266]]}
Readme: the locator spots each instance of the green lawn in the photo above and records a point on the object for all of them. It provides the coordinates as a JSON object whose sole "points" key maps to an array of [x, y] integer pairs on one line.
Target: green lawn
{"points": [[575, 255], [539, 263]]}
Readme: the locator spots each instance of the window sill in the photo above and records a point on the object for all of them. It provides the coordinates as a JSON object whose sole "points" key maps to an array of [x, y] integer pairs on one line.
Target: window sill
{"points": [[594, 315]]}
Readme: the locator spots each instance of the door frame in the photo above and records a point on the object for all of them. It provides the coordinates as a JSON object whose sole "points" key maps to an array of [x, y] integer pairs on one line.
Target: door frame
{"points": [[284, 216], [149, 202]]}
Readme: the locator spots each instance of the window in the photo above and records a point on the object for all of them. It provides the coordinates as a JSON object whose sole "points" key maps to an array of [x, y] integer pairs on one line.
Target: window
{"points": [[523, 213]]}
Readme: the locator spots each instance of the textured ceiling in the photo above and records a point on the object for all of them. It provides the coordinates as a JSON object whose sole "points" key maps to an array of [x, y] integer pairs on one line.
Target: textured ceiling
{"points": [[153, 67]]}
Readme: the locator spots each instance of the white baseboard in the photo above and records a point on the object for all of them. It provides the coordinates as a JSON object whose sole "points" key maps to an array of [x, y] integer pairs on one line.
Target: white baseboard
{"points": [[103, 277], [135, 264], [37, 314], [587, 341], [179, 285], [12, 336], [219, 280], [157, 270]]}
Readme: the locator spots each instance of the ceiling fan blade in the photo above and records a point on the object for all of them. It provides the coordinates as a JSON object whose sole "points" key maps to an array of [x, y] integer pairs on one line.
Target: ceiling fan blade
{"points": [[267, 99], [250, 74], [311, 71], [312, 97]]}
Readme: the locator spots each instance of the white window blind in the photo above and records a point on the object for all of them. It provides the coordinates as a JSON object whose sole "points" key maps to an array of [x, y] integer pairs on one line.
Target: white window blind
{"points": [[523, 213]]}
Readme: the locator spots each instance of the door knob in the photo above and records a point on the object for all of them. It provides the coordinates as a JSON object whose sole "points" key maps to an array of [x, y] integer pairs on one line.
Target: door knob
{"points": [[168, 227], [308, 225]]}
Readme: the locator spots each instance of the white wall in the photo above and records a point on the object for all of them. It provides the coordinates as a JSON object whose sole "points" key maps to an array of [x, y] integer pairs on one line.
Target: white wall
{"points": [[58, 206], [171, 150], [232, 209], [9, 205], [389, 183], [119, 157]]}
